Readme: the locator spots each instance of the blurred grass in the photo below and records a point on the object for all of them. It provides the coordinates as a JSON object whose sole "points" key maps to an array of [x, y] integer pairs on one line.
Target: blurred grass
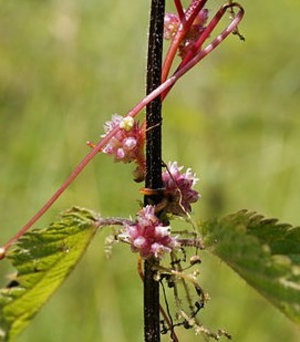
{"points": [[65, 66]]}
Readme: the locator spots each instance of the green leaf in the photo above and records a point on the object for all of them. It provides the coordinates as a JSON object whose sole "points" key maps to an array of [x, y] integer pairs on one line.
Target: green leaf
{"points": [[262, 251], [43, 259]]}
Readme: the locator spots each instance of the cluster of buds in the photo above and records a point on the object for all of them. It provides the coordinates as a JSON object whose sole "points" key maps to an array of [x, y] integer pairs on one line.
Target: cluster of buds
{"points": [[171, 24], [148, 235], [127, 145], [179, 191]]}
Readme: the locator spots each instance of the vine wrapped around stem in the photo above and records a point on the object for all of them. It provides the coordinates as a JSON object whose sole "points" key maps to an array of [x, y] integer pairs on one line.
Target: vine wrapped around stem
{"points": [[163, 88]]}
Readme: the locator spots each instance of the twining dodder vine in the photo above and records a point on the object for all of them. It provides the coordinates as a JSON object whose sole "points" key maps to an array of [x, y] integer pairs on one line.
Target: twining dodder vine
{"points": [[43, 258]]}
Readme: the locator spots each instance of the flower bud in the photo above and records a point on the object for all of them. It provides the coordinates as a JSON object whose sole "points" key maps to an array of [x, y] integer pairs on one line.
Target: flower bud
{"points": [[148, 236], [128, 143], [179, 190]]}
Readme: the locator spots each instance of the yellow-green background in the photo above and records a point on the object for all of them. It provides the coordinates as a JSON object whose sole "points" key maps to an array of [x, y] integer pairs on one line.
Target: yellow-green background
{"points": [[65, 67]]}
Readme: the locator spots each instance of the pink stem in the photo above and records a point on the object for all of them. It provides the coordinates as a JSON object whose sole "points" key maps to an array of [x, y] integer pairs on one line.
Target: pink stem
{"points": [[179, 9], [212, 24], [62, 188], [184, 26], [132, 112], [207, 31]]}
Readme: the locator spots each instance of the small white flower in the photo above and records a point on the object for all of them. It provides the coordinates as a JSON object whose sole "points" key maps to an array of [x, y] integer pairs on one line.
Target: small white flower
{"points": [[127, 123], [161, 231], [139, 242]]}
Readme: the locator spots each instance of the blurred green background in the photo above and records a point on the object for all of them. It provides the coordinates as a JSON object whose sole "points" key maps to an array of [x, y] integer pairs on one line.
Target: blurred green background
{"points": [[65, 67]]}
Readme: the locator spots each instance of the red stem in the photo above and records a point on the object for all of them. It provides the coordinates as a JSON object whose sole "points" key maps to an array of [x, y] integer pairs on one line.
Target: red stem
{"points": [[62, 188], [209, 28], [132, 112], [179, 9], [190, 15], [207, 31]]}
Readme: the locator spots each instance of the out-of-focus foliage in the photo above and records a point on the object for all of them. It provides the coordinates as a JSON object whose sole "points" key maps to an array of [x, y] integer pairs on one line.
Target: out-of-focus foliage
{"points": [[262, 251], [65, 67]]}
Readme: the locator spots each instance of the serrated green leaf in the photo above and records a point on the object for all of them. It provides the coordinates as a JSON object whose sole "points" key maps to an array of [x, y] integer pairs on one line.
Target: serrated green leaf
{"points": [[264, 252], [43, 259]]}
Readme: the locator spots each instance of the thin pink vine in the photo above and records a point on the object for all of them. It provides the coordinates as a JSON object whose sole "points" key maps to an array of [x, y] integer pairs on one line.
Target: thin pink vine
{"points": [[189, 62]]}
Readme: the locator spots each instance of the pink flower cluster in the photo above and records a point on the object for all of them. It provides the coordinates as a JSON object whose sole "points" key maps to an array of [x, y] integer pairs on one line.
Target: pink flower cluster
{"points": [[178, 189], [172, 22], [148, 236], [127, 145]]}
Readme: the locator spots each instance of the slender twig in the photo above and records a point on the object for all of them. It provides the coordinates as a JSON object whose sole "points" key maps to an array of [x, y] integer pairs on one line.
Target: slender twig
{"points": [[186, 290], [113, 221], [169, 318], [153, 179], [236, 30]]}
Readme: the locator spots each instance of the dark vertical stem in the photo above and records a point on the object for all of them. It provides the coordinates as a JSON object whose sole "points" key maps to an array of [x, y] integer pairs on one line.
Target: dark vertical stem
{"points": [[153, 159]]}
